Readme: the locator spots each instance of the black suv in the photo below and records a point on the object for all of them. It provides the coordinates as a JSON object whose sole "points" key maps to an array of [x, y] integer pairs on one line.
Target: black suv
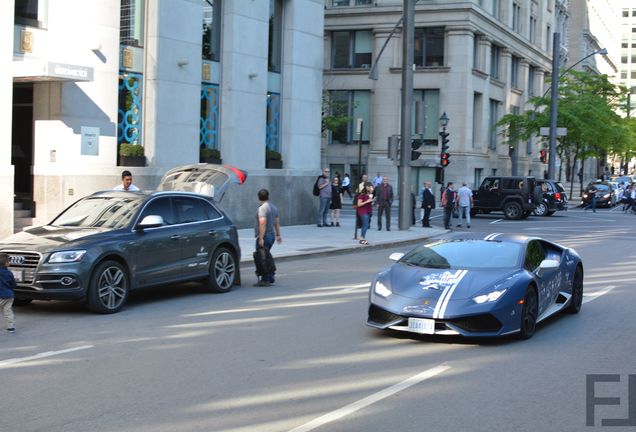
{"points": [[514, 196], [553, 198]]}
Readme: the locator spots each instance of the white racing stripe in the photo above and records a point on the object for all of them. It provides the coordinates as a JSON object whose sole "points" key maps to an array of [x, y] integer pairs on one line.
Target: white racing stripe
{"points": [[450, 293], [492, 236], [13, 361], [588, 297], [376, 397]]}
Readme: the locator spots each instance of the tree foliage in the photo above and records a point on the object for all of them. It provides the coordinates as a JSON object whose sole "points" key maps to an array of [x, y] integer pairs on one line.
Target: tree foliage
{"points": [[588, 107]]}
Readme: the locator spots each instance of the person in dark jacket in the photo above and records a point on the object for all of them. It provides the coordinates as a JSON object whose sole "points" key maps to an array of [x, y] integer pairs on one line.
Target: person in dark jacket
{"points": [[7, 288], [384, 200], [428, 204]]}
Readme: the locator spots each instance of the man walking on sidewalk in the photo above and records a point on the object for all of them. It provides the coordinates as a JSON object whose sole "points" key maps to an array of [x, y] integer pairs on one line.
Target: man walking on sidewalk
{"points": [[428, 204], [384, 199]]}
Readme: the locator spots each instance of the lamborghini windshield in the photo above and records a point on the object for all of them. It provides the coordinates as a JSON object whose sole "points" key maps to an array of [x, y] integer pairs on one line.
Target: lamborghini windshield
{"points": [[464, 254]]}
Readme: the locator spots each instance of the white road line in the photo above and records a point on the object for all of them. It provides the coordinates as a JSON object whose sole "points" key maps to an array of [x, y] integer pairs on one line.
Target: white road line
{"points": [[496, 221], [588, 297], [9, 362], [376, 397]]}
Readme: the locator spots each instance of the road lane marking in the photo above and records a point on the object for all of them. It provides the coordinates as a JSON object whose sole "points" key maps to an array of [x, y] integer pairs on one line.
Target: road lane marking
{"points": [[588, 297], [496, 221], [9, 362], [376, 397]]}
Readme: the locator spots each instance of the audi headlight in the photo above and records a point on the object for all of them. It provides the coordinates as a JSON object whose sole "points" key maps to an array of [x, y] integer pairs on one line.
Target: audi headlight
{"points": [[67, 256], [490, 297], [584, 195], [381, 289], [606, 196]]}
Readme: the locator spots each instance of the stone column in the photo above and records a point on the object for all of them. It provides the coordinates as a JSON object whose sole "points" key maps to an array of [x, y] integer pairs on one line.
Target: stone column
{"points": [[302, 84], [6, 109]]}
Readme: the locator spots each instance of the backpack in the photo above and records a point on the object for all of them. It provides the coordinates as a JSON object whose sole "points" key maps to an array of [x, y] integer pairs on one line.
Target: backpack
{"points": [[264, 262], [316, 190]]}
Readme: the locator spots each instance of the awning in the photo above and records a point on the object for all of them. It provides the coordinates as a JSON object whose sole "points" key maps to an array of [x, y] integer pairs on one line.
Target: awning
{"points": [[37, 71]]}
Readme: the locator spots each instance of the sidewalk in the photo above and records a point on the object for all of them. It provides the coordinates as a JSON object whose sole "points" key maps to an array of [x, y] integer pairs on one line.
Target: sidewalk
{"points": [[304, 240]]}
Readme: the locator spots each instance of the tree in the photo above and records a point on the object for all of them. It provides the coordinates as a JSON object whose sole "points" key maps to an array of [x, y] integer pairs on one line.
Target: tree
{"points": [[588, 106]]}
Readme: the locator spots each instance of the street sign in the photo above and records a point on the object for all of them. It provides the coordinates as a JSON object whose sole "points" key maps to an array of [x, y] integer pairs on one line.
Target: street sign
{"points": [[545, 131]]}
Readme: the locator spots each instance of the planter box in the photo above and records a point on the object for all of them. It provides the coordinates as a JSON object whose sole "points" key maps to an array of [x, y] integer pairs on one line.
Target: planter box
{"points": [[273, 163], [136, 161], [212, 161]]}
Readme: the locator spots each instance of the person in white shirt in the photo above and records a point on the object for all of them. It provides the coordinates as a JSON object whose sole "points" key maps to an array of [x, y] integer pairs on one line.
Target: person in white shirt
{"points": [[465, 198], [126, 183]]}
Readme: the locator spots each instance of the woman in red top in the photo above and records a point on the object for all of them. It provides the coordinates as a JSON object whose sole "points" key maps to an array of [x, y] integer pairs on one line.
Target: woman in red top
{"points": [[365, 209]]}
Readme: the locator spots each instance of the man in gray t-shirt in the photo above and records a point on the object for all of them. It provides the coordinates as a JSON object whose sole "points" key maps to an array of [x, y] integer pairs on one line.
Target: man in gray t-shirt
{"points": [[267, 230], [324, 185]]}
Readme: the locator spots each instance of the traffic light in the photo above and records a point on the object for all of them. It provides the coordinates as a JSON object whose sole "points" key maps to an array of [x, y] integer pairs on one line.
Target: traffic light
{"points": [[445, 140], [415, 144], [543, 156], [445, 155], [444, 159]]}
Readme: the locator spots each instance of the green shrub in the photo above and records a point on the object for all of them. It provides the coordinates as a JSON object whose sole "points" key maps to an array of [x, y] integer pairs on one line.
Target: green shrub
{"points": [[131, 150]]}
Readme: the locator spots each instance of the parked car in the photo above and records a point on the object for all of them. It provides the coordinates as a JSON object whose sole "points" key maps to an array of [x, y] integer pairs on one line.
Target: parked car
{"points": [[624, 179], [553, 198], [606, 194], [475, 285], [512, 195], [109, 243]]}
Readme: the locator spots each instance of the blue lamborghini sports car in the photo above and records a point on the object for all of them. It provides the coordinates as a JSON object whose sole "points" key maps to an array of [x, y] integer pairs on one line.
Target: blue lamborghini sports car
{"points": [[471, 285]]}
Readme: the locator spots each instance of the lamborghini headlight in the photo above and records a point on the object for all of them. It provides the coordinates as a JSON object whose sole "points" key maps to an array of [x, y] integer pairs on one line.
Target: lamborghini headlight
{"points": [[381, 289], [606, 196], [490, 297]]}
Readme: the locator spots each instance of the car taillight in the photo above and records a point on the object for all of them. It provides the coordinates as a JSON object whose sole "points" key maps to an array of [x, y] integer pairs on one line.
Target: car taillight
{"points": [[557, 196]]}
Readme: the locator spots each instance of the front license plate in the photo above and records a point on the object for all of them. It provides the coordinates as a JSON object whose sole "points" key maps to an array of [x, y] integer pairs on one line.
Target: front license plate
{"points": [[422, 325], [18, 275]]}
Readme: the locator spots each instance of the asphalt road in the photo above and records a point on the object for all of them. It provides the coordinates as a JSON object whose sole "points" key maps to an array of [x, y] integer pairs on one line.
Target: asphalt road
{"points": [[297, 356]]}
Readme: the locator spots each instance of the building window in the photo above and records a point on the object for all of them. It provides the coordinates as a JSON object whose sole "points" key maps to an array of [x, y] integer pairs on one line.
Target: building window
{"points": [[492, 122], [430, 106], [337, 3], [209, 126], [272, 129], [275, 41], [211, 44], [531, 80], [514, 72], [30, 12], [129, 108], [625, 13], [516, 17], [529, 146], [548, 36], [532, 30], [351, 49], [429, 46], [354, 105], [495, 8], [477, 118], [131, 23], [495, 59]]}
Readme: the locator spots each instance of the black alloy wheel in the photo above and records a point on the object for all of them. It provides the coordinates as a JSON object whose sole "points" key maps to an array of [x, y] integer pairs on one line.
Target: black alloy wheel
{"points": [[529, 314], [223, 271], [108, 290], [577, 292]]}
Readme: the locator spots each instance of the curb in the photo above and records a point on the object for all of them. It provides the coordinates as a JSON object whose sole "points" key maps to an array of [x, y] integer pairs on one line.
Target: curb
{"points": [[341, 250]]}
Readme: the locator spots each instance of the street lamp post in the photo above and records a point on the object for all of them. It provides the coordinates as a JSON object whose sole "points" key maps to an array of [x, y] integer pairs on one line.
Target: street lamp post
{"points": [[554, 97]]}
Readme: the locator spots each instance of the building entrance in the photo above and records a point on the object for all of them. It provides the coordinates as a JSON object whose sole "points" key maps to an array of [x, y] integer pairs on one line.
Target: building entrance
{"points": [[22, 141]]}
